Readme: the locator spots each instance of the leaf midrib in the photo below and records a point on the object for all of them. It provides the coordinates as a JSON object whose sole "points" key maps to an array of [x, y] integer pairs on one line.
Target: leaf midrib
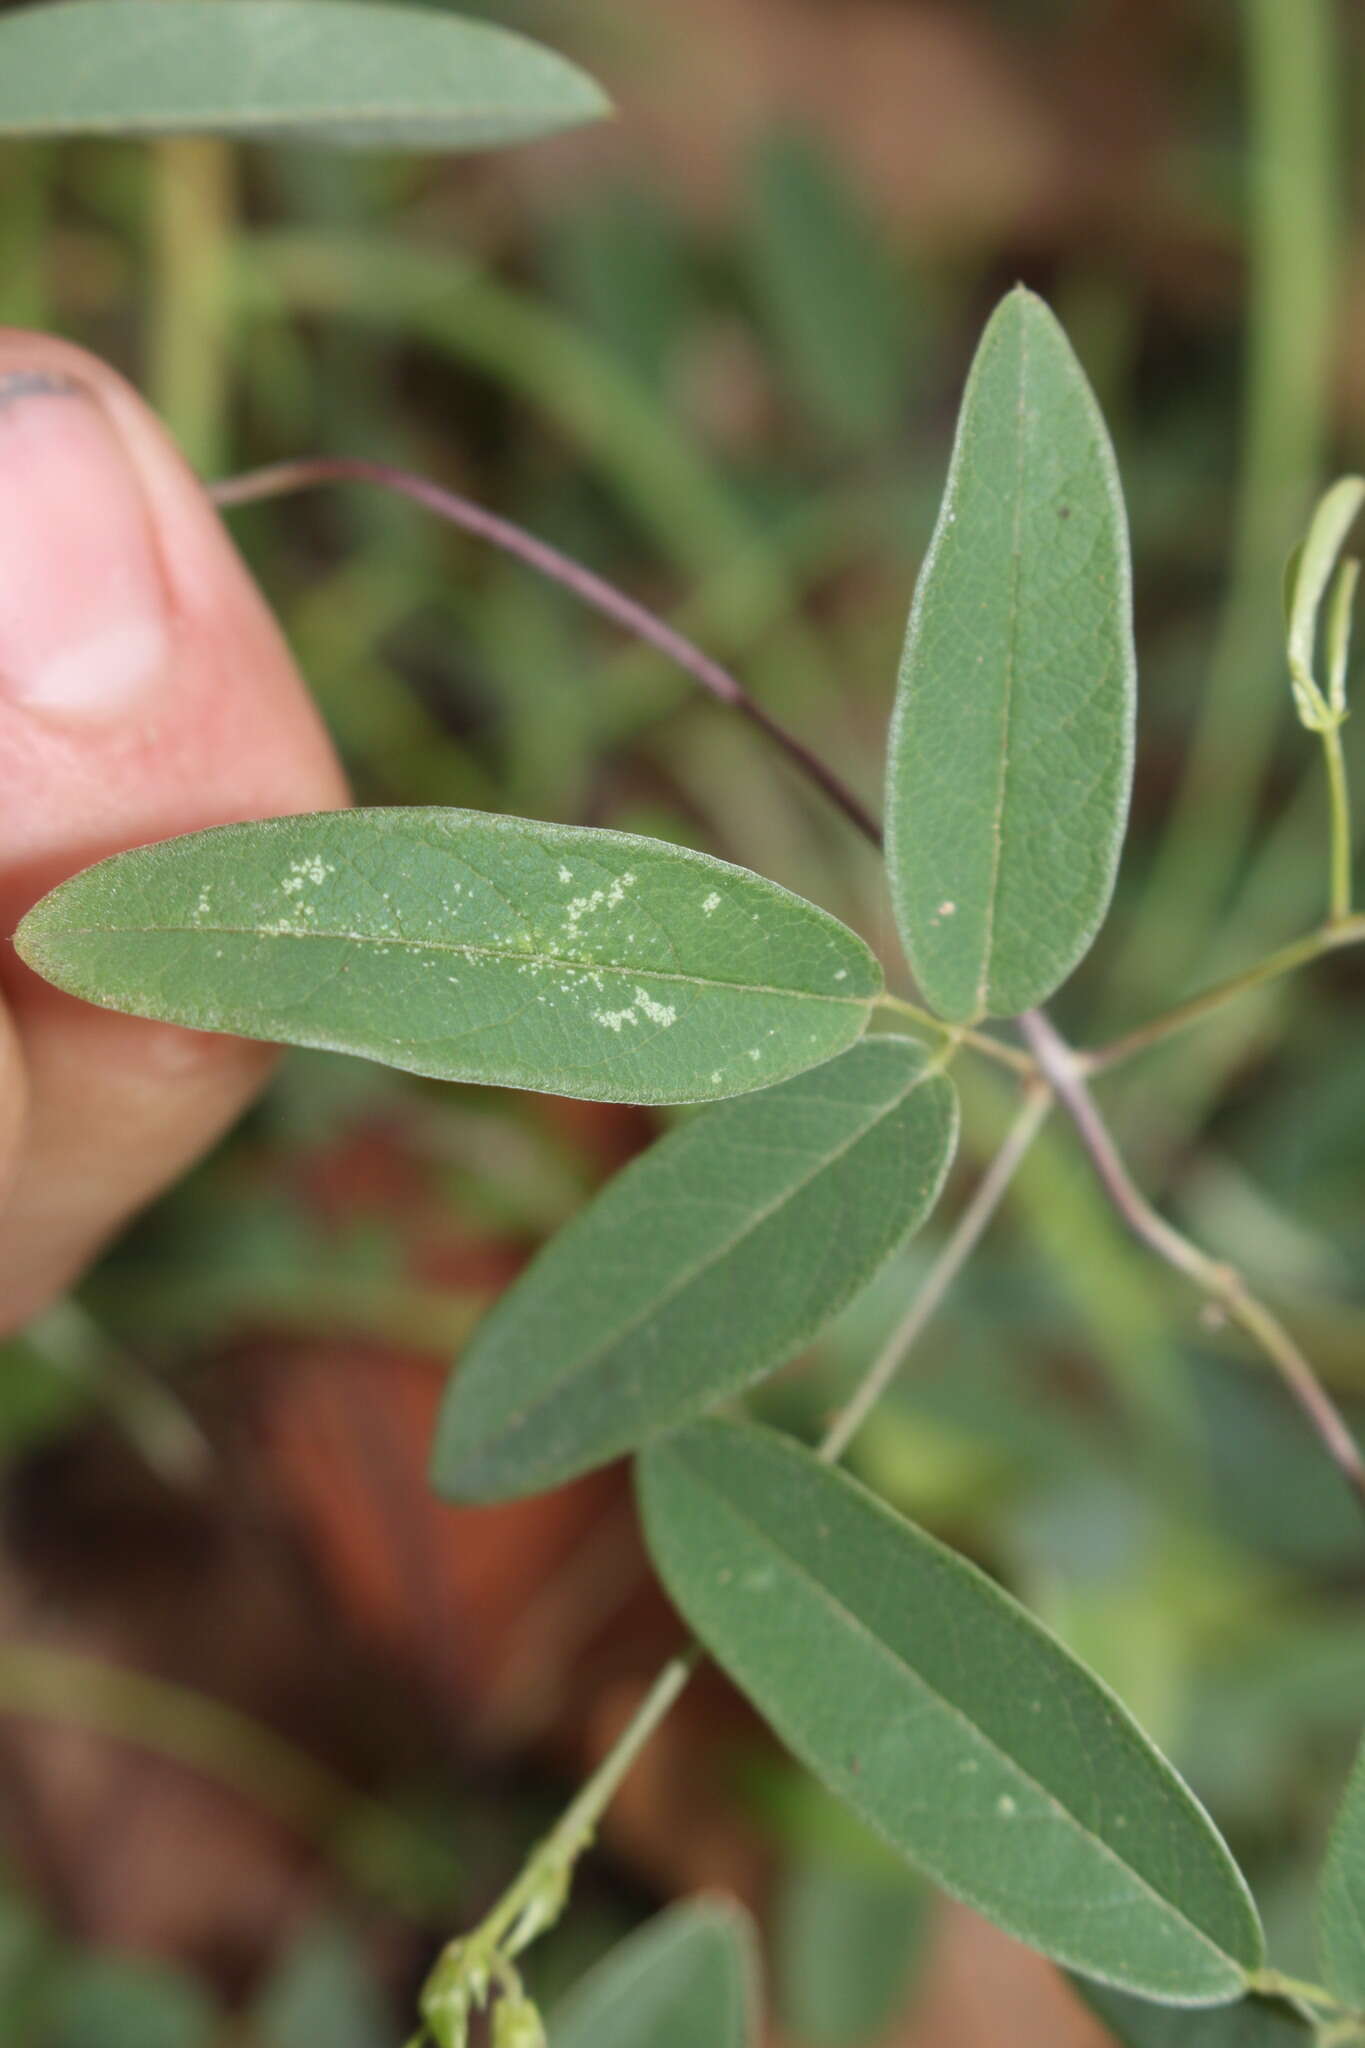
{"points": [[879, 1644], [754, 1222], [983, 987], [463, 950]]}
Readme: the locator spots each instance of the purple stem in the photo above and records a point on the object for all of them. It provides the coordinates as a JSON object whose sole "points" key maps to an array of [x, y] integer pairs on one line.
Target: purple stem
{"points": [[283, 478], [1058, 1064]]}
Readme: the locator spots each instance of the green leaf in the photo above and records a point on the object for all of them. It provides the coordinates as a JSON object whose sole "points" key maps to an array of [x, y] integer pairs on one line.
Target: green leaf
{"points": [[1341, 1896], [1012, 743], [690, 1977], [847, 1943], [946, 1716], [1251, 2023], [1306, 579], [331, 71], [468, 947], [705, 1264]]}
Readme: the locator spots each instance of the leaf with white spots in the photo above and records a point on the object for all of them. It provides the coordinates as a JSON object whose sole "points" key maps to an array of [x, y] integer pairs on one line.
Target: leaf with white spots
{"points": [[338, 72], [468, 947], [1012, 746], [946, 1716], [706, 1263]]}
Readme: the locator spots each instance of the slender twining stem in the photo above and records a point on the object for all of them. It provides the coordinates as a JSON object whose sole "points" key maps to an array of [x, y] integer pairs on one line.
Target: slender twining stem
{"points": [[1350, 931], [957, 1249], [1222, 1284], [282, 479], [1339, 799], [516, 1917], [958, 1034]]}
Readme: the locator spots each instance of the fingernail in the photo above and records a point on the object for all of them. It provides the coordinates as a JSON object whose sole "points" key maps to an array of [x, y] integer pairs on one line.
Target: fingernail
{"points": [[84, 624]]}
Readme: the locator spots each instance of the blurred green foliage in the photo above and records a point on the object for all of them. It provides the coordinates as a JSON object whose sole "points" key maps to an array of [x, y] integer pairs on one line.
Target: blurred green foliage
{"points": [[742, 411]]}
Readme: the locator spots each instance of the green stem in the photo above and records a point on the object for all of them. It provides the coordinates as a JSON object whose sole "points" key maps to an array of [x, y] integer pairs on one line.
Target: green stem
{"points": [[26, 177], [189, 370], [1329, 938], [958, 1248], [1275, 1984], [515, 1915], [981, 1041], [535, 1900], [1339, 797]]}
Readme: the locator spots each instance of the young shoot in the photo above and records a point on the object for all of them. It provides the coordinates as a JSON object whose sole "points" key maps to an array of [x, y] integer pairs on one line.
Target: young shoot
{"points": [[1318, 573]]}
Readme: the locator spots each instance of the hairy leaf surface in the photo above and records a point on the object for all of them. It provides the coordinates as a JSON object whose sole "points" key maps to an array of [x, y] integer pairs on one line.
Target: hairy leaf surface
{"points": [[468, 947], [706, 1263], [1012, 744], [332, 71], [946, 1716], [689, 1978]]}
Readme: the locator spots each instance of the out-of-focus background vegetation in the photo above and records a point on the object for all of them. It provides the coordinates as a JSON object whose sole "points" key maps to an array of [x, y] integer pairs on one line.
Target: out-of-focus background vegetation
{"points": [[272, 1723]]}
